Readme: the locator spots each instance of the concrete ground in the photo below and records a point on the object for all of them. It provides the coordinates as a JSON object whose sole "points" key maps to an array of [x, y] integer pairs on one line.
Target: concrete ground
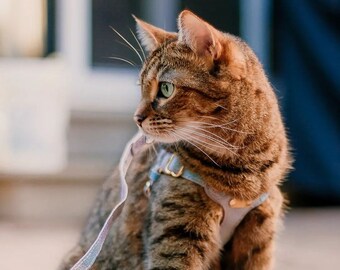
{"points": [[310, 240]]}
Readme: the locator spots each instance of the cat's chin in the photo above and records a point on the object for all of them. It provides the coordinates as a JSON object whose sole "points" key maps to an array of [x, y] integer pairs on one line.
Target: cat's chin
{"points": [[159, 139]]}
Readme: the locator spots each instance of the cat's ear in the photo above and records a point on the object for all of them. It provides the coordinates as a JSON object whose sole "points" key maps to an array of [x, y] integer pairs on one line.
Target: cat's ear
{"points": [[198, 35], [208, 42], [151, 36]]}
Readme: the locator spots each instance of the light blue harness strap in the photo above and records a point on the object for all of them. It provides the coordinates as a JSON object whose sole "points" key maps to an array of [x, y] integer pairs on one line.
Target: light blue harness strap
{"points": [[169, 164]]}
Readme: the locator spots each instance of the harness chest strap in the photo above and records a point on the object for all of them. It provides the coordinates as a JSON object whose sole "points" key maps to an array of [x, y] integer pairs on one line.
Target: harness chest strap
{"points": [[233, 211]]}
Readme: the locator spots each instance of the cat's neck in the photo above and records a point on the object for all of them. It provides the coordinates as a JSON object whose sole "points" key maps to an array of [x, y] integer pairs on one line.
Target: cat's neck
{"points": [[200, 158], [225, 173]]}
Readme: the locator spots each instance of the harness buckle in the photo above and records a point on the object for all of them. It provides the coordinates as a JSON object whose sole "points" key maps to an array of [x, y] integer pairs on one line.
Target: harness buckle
{"points": [[170, 172], [147, 189]]}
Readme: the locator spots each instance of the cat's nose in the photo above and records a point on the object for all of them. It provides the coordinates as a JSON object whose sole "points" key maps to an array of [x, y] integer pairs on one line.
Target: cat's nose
{"points": [[139, 119]]}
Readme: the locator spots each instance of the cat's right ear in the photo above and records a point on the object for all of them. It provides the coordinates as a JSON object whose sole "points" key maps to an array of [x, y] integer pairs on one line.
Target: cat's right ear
{"points": [[151, 36], [209, 43]]}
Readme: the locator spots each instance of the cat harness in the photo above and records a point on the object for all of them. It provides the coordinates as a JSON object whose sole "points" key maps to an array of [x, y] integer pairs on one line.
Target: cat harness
{"points": [[169, 164], [233, 211]]}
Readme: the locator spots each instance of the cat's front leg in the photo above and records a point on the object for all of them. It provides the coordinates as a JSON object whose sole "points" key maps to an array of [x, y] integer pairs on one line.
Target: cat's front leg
{"points": [[182, 228], [252, 245]]}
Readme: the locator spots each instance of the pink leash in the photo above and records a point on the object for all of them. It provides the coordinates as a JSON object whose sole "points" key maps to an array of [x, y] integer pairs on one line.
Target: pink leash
{"points": [[133, 147]]}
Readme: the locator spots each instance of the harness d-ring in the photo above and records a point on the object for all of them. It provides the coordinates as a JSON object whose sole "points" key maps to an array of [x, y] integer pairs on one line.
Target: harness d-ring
{"points": [[169, 172]]}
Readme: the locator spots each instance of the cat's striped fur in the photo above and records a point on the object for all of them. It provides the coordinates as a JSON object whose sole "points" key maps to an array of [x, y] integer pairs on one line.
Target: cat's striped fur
{"points": [[224, 122]]}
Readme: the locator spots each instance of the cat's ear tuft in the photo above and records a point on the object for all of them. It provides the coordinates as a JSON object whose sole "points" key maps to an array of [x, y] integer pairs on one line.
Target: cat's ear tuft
{"points": [[151, 36], [198, 35]]}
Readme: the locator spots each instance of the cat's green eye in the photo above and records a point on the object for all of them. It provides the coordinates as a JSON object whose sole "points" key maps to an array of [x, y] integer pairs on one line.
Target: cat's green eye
{"points": [[166, 89]]}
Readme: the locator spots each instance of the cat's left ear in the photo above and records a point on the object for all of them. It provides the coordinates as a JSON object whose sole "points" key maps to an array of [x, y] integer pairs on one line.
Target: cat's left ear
{"points": [[151, 36], [209, 43]]}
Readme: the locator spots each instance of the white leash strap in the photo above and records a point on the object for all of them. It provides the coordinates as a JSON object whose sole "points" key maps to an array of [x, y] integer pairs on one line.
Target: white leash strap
{"points": [[133, 146]]}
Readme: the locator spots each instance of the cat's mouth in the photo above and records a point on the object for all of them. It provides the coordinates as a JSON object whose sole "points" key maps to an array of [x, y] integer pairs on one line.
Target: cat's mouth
{"points": [[157, 129]]}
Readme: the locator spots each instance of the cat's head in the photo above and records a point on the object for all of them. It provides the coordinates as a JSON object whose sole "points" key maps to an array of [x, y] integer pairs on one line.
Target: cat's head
{"points": [[197, 85]]}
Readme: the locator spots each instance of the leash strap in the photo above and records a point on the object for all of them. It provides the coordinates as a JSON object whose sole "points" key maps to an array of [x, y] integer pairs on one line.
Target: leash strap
{"points": [[133, 147]]}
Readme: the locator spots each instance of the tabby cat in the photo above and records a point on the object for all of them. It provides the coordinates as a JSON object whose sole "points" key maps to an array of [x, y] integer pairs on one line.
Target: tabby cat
{"points": [[206, 98]]}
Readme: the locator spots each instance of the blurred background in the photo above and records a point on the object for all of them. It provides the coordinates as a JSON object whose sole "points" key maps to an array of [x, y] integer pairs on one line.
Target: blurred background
{"points": [[66, 111]]}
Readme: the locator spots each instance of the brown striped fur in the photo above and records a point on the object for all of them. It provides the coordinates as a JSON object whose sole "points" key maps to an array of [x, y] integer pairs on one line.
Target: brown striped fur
{"points": [[224, 123]]}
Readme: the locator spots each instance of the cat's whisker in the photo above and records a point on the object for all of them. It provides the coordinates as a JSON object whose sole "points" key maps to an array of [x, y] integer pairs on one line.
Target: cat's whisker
{"points": [[190, 142], [212, 125], [209, 124], [154, 149], [171, 133], [127, 42], [209, 138], [210, 117], [214, 136], [218, 119], [193, 141], [222, 107], [215, 148], [233, 121], [190, 138], [176, 145], [127, 46], [139, 45], [224, 140], [222, 126], [124, 60], [205, 143], [202, 139], [150, 153], [204, 126], [235, 130]]}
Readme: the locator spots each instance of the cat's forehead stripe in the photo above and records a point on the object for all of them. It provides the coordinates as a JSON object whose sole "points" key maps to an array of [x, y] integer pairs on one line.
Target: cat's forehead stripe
{"points": [[175, 60], [154, 58]]}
